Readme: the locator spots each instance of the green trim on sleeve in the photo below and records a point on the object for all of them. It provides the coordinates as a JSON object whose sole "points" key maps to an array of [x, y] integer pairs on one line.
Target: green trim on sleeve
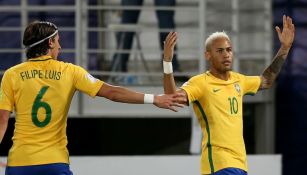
{"points": [[250, 93], [208, 132]]}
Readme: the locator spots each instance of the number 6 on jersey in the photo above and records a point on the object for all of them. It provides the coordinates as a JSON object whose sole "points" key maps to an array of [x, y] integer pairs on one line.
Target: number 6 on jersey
{"points": [[40, 104]]}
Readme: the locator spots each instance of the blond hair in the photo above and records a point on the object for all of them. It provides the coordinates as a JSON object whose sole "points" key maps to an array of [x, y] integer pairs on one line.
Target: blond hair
{"points": [[214, 36]]}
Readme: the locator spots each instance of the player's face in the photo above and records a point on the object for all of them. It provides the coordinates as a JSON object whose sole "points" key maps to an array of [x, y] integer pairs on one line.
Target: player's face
{"points": [[55, 47], [220, 55]]}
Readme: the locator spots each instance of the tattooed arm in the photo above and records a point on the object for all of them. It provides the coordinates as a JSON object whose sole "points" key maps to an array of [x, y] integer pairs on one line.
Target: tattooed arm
{"points": [[286, 37]]}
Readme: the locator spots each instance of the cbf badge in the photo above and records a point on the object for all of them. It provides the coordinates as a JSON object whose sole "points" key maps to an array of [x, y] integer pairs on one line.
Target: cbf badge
{"points": [[237, 87], [91, 78]]}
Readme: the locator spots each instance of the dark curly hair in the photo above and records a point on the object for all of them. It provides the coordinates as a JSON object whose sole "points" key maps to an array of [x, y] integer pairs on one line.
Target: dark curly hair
{"points": [[37, 31]]}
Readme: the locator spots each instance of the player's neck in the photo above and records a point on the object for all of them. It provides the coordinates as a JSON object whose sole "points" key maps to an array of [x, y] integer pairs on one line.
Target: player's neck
{"points": [[220, 75], [50, 54]]}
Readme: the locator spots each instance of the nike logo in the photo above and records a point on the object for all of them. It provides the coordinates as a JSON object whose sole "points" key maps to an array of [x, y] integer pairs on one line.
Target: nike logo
{"points": [[216, 90]]}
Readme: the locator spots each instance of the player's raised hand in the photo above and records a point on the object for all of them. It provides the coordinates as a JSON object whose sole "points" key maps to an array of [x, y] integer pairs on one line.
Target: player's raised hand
{"points": [[170, 101], [286, 35], [169, 44]]}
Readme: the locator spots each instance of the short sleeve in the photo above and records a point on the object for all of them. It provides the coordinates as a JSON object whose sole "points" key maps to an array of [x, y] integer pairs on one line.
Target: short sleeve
{"points": [[85, 82], [251, 84], [193, 89], [6, 93]]}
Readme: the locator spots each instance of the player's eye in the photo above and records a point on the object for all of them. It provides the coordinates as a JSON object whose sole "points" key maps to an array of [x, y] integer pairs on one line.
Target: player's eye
{"points": [[229, 49]]}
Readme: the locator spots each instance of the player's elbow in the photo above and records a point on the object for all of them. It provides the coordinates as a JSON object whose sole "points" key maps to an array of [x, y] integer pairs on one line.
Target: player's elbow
{"points": [[270, 85], [111, 94], [266, 82], [108, 91], [264, 87]]}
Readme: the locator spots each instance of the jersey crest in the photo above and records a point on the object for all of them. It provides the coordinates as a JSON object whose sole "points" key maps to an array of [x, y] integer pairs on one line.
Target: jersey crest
{"points": [[237, 87]]}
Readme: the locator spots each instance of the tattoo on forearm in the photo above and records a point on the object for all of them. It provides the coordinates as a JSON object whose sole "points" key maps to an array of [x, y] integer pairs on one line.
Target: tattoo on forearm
{"points": [[272, 71], [277, 64]]}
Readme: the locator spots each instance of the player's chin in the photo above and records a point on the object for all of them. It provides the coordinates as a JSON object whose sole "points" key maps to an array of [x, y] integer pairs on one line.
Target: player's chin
{"points": [[227, 68]]}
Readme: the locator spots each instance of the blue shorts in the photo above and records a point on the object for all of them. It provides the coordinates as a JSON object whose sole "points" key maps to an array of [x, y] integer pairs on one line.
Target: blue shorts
{"points": [[231, 171], [47, 169]]}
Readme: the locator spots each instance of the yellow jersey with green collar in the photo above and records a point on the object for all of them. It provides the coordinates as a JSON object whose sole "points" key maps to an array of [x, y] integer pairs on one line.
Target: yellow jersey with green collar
{"points": [[40, 90], [218, 107]]}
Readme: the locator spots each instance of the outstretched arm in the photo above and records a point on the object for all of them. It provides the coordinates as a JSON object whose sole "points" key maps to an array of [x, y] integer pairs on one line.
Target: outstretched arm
{"points": [[124, 95], [286, 37]]}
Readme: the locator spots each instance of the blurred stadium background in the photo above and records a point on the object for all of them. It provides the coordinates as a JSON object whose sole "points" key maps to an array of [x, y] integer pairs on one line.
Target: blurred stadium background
{"points": [[121, 138]]}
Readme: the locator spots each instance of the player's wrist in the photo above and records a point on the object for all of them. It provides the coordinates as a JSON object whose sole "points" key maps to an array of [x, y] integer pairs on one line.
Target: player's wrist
{"points": [[286, 46], [167, 59], [149, 98], [167, 67]]}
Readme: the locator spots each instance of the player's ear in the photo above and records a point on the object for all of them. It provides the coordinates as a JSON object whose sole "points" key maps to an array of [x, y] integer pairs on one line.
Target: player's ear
{"points": [[207, 55], [51, 43]]}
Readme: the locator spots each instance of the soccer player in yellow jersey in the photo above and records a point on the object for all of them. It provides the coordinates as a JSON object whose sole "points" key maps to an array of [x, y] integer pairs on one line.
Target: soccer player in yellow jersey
{"points": [[40, 91], [217, 96]]}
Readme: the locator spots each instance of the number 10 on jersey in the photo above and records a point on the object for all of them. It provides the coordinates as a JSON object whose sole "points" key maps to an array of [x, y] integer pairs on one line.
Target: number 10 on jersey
{"points": [[233, 103]]}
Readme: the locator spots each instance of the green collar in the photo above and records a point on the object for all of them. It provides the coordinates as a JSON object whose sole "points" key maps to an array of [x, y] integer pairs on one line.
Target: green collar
{"points": [[41, 58]]}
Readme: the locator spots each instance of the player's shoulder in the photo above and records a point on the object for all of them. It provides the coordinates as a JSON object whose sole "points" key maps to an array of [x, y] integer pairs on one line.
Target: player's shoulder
{"points": [[239, 76], [67, 65], [198, 77], [235, 76], [15, 68], [196, 80], [63, 63]]}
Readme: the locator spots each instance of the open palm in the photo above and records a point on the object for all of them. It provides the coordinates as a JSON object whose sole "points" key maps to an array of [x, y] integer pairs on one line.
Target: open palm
{"points": [[286, 35]]}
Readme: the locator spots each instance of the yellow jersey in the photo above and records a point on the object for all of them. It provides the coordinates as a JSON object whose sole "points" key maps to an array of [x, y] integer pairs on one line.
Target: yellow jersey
{"points": [[218, 107], [40, 91]]}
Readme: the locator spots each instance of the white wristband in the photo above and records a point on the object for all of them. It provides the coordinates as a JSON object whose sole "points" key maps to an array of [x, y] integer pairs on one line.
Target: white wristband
{"points": [[149, 98], [167, 67]]}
